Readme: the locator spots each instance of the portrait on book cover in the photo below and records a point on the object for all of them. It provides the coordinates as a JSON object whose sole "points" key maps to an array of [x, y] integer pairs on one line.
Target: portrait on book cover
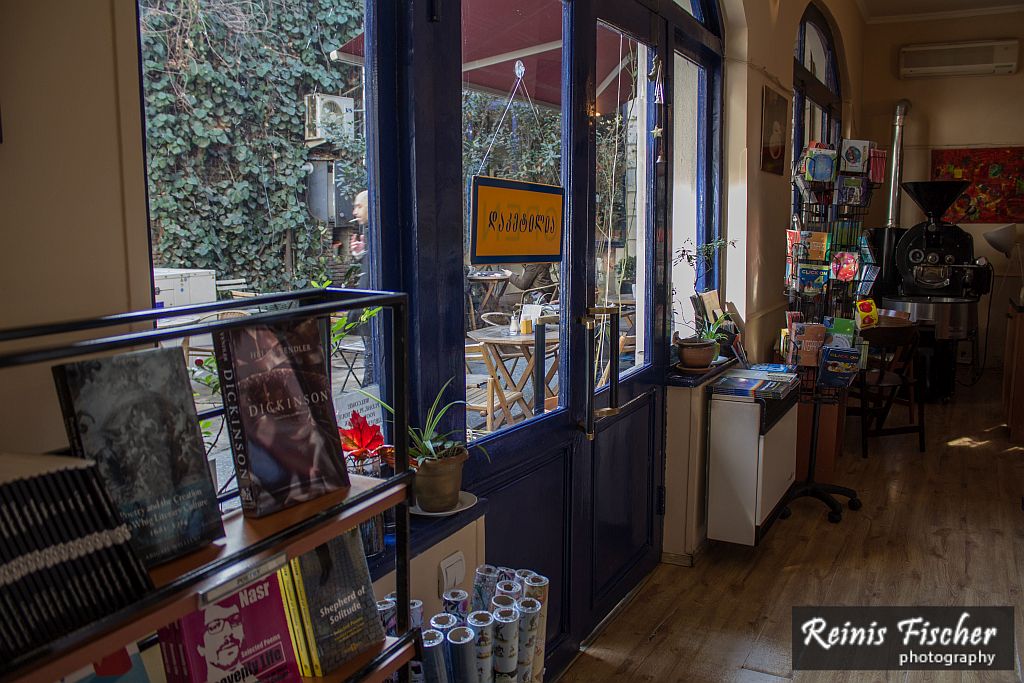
{"points": [[774, 127]]}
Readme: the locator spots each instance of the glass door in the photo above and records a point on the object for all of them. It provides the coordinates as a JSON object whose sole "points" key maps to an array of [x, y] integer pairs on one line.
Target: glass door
{"points": [[617, 535]]}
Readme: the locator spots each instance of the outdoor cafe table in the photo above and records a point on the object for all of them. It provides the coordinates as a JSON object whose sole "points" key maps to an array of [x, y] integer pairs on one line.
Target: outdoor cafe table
{"points": [[492, 338]]}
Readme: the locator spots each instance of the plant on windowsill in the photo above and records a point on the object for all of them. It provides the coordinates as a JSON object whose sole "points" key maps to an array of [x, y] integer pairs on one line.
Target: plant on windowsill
{"points": [[436, 456], [700, 350]]}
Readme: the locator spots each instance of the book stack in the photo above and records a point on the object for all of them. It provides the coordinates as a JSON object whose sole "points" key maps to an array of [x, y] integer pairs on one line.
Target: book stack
{"points": [[65, 553], [755, 384]]}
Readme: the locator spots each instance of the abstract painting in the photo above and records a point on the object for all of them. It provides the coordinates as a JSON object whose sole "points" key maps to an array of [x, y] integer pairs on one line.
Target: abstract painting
{"points": [[996, 194]]}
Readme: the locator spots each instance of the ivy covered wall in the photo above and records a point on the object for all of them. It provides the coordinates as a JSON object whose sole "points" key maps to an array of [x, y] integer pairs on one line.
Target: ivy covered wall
{"points": [[224, 82]]}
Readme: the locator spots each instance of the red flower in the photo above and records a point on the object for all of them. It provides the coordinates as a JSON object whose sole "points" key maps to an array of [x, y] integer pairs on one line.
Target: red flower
{"points": [[362, 439], [199, 362]]}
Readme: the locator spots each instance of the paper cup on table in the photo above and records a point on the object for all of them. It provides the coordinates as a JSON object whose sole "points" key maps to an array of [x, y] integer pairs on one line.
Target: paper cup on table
{"points": [[484, 581], [503, 602], [456, 601], [435, 670], [511, 588], [537, 588], [506, 643], [529, 619], [483, 623], [506, 574], [462, 650], [388, 613]]}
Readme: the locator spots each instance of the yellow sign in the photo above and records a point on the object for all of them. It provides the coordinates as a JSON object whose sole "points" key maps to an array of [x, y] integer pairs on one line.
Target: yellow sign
{"points": [[515, 221]]}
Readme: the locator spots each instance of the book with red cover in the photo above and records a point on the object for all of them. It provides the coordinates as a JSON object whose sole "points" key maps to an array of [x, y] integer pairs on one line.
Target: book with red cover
{"points": [[279, 414], [244, 637]]}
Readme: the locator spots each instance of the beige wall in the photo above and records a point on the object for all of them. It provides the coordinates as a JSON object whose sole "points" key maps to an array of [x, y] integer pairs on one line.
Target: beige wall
{"points": [[760, 35], [72, 194], [954, 112]]}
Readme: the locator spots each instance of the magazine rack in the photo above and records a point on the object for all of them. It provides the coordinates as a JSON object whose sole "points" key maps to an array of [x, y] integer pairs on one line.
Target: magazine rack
{"points": [[252, 548], [809, 488]]}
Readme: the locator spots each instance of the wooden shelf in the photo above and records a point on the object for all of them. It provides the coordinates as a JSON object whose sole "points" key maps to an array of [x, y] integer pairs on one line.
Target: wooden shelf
{"points": [[396, 654], [248, 544]]}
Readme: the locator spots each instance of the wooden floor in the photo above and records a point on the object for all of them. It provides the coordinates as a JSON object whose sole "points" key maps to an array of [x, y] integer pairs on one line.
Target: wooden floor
{"points": [[941, 528]]}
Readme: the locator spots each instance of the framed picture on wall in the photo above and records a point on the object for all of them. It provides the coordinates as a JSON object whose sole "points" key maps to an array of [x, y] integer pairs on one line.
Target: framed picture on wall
{"points": [[774, 131]]}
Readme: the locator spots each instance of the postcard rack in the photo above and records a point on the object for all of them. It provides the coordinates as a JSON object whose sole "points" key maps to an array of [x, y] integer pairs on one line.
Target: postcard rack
{"points": [[844, 225], [252, 547]]}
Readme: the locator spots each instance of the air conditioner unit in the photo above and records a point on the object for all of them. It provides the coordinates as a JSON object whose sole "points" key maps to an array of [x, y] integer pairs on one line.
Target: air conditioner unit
{"points": [[323, 111], [959, 59]]}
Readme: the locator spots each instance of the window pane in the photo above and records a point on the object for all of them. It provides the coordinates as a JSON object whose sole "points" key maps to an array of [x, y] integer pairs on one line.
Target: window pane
{"points": [[688, 5], [622, 140], [686, 219], [512, 129], [256, 162], [815, 56]]}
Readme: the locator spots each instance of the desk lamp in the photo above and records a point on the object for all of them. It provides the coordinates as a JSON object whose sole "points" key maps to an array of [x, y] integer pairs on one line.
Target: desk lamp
{"points": [[1004, 240]]}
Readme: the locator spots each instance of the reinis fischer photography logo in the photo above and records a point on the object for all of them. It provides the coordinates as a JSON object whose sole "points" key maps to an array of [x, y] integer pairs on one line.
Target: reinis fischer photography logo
{"points": [[887, 638]]}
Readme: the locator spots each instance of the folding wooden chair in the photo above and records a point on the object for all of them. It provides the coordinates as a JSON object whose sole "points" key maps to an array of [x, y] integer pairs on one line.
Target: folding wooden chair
{"points": [[485, 393]]}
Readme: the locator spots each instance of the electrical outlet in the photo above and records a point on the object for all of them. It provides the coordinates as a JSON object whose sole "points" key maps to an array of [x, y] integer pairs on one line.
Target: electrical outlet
{"points": [[451, 572]]}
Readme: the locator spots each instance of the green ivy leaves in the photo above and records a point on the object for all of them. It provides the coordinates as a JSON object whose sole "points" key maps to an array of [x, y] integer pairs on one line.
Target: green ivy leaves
{"points": [[224, 83]]}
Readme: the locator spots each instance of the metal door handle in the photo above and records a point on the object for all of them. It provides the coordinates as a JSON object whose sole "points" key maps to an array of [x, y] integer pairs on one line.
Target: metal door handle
{"points": [[590, 322], [539, 355]]}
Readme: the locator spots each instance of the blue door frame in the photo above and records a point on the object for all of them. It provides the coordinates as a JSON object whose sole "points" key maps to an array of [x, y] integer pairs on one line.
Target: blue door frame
{"points": [[540, 478]]}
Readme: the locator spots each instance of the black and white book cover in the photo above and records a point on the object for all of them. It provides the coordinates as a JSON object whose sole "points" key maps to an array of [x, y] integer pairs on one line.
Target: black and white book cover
{"points": [[134, 415]]}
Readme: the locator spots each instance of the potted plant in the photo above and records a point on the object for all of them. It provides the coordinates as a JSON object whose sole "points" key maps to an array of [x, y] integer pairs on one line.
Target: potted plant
{"points": [[700, 350], [437, 457]]}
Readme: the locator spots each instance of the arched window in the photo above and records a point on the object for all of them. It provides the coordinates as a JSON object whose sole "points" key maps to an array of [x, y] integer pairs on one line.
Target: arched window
{"points": [[704, 11], [817, 101]]}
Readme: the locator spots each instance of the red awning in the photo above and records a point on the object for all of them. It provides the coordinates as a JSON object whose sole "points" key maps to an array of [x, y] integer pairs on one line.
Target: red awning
{"points": [[495, 33]]}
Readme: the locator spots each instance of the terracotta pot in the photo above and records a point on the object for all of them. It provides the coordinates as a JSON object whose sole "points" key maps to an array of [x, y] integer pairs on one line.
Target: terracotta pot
{"points": [[438, 482], [696, 353]]}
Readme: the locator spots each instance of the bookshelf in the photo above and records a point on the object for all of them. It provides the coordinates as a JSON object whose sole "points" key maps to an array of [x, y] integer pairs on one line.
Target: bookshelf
{"points": [[251, 548]]}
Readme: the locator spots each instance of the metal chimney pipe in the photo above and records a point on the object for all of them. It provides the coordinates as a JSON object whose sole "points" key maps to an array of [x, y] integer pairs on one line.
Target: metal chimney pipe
{"points": [[896, 168]]}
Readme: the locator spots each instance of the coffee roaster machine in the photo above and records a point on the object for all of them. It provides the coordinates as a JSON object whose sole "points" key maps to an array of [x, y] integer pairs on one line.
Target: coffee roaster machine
{"points": [[930, 272]]}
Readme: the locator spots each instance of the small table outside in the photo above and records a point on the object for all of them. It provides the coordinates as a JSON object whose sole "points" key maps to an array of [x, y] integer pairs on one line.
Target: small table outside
{"points": [[494, 284], [494, 337]]}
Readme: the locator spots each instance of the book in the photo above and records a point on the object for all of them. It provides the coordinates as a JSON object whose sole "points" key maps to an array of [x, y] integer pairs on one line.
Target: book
{"points": [[134, 415], [808, 245], [279, 414], [840, 332], [805, 341], [66, 555], [854, 156], [812, 277], [838, 366], [876, 165], [852, 191], [243, 637], [753, 387], [336, 604]]}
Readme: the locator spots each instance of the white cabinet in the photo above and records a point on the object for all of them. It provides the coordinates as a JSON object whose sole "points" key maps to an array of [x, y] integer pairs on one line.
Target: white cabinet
{"points": [[752, 463], [181, 286]]}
